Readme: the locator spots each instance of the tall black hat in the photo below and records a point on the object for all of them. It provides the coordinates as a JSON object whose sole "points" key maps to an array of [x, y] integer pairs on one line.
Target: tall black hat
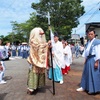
{"points": [[56, 34]]}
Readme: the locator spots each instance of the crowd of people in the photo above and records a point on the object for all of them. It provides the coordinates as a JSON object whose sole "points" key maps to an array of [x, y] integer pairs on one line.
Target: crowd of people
{"points": [[61, 61], [40, 59], [7, 51], [20, 50], [58, 56]]}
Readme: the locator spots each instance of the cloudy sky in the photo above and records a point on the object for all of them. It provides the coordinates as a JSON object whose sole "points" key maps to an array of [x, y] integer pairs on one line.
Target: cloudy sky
{"points": [[92, 14], [19, 10], [13, 10]]}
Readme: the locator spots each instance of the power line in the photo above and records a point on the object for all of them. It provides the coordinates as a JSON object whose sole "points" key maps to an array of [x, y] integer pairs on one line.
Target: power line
{"points": [[92, 15], [89, 10], [89, 18]]}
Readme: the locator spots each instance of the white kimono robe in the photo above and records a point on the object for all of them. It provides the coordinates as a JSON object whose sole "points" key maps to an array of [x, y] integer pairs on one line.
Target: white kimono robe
{"points": [[58, 58], [96, 50], [58, 62], [67, 55], [90, 80]]}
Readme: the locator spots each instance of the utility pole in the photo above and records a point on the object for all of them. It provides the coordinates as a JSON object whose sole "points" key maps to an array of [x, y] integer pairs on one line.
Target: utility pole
{"points": [[75, 38]]}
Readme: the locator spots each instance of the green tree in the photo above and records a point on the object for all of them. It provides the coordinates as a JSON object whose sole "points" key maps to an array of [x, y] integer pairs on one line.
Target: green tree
{"points": [[22, 30], [1, 37], [64, 14]]}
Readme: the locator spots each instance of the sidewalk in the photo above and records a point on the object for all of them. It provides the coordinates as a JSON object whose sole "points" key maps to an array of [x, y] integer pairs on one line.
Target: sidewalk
{"points": [[16, 87]]}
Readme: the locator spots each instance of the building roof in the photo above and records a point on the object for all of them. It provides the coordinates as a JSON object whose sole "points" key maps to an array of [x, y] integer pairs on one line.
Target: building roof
{"points": [[92, 25], [75, 36]]}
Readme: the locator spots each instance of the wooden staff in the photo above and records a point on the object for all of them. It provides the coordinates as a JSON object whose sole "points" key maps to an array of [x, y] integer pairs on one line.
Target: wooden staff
{"points": [[53, 83]]}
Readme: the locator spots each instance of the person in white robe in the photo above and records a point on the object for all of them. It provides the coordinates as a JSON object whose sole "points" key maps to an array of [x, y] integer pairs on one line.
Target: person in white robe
{"points": [[67, 58], [58, 60]]}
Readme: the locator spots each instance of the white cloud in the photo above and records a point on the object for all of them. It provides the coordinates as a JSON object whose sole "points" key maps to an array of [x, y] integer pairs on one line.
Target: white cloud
{"points": [[19, 10], [89, 4], [14, 10], [92, 14]]}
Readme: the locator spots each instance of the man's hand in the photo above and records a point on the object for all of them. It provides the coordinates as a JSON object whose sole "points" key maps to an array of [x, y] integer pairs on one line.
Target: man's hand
{"points": [[49, 42], [96, 64], [52, 54]]}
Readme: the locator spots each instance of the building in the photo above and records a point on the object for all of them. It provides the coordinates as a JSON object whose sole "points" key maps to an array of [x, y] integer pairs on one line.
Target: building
{"points": [[95, 26], [74, 38]]}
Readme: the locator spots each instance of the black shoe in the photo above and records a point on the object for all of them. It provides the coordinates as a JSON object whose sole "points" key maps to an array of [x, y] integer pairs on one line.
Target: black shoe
{"points": [[29, 92]]}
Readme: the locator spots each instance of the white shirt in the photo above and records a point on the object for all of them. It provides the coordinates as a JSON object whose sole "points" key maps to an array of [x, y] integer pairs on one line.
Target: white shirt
{"points": [[95, 50]]}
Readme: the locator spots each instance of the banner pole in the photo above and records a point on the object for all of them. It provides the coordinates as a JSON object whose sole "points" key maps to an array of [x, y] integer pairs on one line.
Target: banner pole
{"points": [[53, 83]]}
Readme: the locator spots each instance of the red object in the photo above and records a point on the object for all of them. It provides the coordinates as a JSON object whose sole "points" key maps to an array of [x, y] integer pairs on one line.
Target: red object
{"points": [[1, 68], [68, 68], [64, 70]]}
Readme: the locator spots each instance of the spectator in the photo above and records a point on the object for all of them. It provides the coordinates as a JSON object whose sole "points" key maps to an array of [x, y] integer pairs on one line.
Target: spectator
{"points": [[2, 69], [73, 50]]}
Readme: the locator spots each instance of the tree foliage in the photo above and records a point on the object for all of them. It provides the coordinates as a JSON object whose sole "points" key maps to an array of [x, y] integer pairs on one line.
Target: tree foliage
{"points": [[64, 14], [22, 30]]}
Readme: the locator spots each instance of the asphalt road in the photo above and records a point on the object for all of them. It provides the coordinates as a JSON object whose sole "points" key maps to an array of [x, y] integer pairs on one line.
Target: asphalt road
{"points": [[16, 87]]}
